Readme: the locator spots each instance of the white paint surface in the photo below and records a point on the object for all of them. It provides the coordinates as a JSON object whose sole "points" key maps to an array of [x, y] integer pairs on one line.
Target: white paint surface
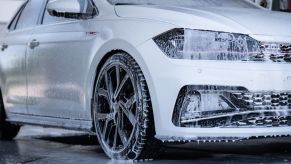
{"points": [[2, 25]]}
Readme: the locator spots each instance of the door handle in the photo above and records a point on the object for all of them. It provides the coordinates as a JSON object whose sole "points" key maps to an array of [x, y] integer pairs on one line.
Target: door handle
{"points": [[4, 47], [34, 43]]}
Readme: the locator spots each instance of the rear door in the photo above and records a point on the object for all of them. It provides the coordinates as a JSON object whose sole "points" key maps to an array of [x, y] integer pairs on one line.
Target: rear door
{"points": [[13, 57], [57, 68]]}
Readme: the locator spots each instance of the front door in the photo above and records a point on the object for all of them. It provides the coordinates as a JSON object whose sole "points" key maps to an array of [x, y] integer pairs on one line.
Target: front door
{"points": [[56, 68], [13, 57]]}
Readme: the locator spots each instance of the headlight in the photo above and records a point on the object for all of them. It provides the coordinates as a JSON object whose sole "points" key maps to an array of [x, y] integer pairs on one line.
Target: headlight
{"points": [[209, 45], [277, 52]]}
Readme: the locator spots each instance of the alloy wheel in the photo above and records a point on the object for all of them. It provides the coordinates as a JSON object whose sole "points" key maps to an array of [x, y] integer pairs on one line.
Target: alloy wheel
{"points": [[116, 100]]}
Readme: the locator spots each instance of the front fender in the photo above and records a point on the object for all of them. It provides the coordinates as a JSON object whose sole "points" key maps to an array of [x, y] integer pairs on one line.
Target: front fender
{"points": [[107, 48]]}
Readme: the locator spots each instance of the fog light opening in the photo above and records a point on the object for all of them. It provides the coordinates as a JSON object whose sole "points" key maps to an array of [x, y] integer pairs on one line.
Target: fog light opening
{"points": [[220, 106]]}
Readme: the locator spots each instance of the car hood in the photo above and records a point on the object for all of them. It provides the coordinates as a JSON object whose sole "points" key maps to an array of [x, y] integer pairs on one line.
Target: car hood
{"points": [[239, 20]]}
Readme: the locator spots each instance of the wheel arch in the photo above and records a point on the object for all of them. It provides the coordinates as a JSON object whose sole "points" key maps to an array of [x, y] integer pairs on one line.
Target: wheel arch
{"points": [[103, 54]]}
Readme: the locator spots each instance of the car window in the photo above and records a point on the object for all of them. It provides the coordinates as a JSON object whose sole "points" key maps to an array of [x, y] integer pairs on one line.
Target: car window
{"points": [[48, 19], [13, 23], [30, 14]]}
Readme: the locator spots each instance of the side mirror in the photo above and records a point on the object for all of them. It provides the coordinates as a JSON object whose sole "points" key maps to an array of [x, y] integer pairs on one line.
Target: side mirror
{"points": [[75, 9]]}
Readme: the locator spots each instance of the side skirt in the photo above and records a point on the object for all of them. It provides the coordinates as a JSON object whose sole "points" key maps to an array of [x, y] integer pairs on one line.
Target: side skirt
{"points": [[71, 124]]}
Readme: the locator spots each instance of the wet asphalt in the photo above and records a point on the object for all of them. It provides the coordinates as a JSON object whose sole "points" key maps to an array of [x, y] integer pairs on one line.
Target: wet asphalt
{"points": [[36, 145]]}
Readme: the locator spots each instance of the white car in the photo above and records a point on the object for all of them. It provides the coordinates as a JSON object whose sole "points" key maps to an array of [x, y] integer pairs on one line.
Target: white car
{"points": [[140, 73]]}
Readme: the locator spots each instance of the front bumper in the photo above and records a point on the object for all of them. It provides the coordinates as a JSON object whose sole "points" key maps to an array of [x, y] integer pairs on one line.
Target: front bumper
{"points": [[166, 77]]}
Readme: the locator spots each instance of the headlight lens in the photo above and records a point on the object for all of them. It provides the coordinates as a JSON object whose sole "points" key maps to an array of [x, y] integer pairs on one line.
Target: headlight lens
{"points": [[209, 45], [277, 52]]}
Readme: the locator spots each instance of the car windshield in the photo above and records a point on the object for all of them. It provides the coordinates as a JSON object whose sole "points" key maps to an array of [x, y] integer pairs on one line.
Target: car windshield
{"points": [[188, 3]]}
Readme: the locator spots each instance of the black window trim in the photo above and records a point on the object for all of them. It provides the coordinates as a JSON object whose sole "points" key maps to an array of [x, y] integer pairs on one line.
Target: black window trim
{"points": [[19, 13], [43, 10], [16, 16]]}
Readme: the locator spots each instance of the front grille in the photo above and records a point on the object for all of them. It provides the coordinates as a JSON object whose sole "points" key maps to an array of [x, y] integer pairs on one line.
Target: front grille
{"points": [[286, 50], [244, 119], [262, 100], [235, 108]]}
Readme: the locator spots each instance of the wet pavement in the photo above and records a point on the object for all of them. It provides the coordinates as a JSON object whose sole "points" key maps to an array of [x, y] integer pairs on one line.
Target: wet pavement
{"points": [[52, 146]]}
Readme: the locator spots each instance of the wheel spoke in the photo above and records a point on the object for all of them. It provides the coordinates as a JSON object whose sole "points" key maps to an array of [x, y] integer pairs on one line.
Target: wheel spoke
{"points": [[127, 113], [115, 137], [117, 72], [122, 136], [109, 86], [105, 128], [108, 131], [121, 85], [105, 116], [130, 102]]}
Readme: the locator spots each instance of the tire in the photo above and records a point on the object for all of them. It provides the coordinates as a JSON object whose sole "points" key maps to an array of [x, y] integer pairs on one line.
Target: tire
{"points": [[7, 131], [122, 111]]}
